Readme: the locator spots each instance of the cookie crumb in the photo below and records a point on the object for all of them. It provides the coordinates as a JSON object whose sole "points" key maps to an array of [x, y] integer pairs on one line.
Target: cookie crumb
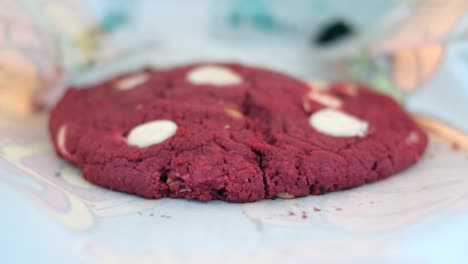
{"points": [[455, 146], [317, 209], [291, 213], [338, 209], [131, 82]]}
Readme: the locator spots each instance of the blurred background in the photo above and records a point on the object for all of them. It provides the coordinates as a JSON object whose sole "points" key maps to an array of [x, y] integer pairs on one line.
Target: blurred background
{"points": [[410, 49]]}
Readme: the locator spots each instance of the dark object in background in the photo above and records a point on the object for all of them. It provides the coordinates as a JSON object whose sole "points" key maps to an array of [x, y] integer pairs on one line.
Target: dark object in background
{"points": [[333, 32]]}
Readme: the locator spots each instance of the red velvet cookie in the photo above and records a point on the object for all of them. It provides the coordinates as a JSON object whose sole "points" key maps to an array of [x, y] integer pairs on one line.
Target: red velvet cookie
{"points": [[231, 132]]}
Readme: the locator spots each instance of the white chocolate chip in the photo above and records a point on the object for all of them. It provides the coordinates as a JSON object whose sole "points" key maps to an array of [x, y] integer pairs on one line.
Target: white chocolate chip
{"points": [[153, 132], [233, 113], [61, 135], [132, 81], [176, 181], [319, 85], [412, 138], [213, 75], [284, 195], [336, 123], [325, 99], [185, 190]]}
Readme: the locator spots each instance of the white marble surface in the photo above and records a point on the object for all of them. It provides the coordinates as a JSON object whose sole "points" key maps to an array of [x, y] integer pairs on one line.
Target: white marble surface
{"points": [[50, 212]]}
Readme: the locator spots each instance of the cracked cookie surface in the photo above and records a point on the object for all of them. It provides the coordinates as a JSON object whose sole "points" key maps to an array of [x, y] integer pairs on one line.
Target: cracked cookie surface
{"points": [[231, 132]]}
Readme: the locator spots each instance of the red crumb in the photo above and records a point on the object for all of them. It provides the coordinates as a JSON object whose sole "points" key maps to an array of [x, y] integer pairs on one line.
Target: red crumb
{"points": [[317, 209], [455, 146], [304, 216], [291, 213], [338, 209]]}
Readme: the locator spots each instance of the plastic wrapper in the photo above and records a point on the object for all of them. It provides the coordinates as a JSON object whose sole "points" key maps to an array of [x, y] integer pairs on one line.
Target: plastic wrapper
{"points": [[44, 43]]}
